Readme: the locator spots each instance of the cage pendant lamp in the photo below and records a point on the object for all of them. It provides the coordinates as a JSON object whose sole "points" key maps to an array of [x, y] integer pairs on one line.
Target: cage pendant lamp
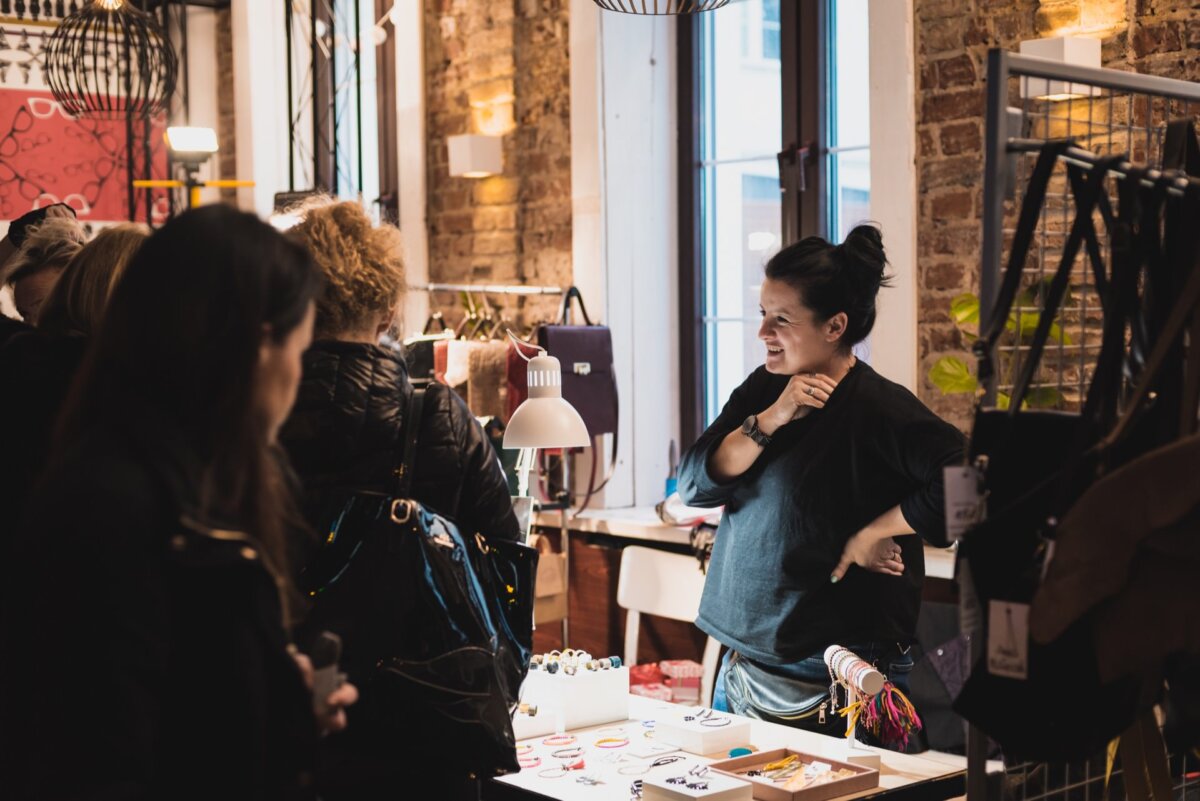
{"points": [[111, 60], [653, 7]]}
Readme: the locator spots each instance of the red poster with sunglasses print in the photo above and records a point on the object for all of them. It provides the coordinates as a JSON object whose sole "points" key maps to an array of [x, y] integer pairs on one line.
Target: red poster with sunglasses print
{"points": [[48, 156]]}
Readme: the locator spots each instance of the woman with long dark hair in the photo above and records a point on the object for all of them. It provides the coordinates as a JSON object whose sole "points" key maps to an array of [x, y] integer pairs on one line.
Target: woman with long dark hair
{"points": [[146, 652], [825, 469]]}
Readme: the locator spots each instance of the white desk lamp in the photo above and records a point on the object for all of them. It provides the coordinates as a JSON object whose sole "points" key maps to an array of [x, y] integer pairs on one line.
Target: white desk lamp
{"points": [[543, 420]]}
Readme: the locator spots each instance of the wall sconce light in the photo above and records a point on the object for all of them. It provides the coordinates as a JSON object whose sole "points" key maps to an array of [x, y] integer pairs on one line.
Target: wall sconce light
{"points": [[1082, 51], [475, 155]]}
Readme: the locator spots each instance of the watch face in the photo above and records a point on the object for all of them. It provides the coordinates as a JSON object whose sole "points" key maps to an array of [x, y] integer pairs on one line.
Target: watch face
{"points": [[748, 425]]}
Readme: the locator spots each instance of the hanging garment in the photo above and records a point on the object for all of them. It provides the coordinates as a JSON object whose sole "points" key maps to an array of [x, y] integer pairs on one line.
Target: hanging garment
{"points": [[1129, 549], [487, 391], [458, 364]]}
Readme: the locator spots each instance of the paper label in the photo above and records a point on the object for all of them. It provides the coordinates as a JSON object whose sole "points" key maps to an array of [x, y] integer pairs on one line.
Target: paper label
{"points": [[964, 501], [1008, 640]]}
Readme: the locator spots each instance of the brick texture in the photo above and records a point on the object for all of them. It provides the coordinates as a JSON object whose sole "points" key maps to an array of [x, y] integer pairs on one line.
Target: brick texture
{"points": [[500, 66], [226, 166], [1159, 37]]}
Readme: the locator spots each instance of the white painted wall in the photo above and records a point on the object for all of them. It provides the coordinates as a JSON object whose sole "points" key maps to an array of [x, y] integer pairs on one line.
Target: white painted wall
{"points": [[260, 100], [894, 185], [639, 229], [409, 31]]}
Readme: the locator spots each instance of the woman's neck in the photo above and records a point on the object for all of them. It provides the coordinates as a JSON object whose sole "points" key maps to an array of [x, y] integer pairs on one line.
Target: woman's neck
{"points": [[839, 366]]}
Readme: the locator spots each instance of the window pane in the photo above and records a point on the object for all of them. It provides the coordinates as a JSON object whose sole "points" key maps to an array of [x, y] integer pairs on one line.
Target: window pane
{"points": [[733, 352], [850, 198], [848, 192], [741, 116], [742, 213], [850, 65]]}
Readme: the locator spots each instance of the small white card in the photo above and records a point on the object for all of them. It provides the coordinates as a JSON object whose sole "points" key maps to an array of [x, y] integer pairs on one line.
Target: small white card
{"points": [[964, 501], [1008, 640]]}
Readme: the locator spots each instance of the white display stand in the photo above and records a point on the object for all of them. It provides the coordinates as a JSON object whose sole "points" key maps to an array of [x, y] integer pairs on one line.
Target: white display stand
{"points": [[695, 738], [720, 788], [589, 698]]}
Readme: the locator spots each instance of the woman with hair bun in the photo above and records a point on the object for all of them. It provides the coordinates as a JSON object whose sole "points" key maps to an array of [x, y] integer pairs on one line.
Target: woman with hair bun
{"points": [[825, 469]]}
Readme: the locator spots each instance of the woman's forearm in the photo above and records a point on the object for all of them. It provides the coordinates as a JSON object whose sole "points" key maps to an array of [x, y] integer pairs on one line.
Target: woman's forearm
{"points": [[889, 524], [734, 456]]}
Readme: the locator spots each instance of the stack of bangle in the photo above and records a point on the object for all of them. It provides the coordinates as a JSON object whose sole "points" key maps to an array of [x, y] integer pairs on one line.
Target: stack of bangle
{"points": [[847, 667], [569, 661]]}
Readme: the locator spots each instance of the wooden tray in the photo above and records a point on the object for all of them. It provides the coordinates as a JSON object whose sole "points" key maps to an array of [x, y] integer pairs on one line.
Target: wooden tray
{"points": [[767, 790]]}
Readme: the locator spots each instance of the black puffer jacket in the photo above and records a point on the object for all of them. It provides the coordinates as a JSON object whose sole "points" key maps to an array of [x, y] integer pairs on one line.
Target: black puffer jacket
{"points": [[346, 432], [346, 435]]}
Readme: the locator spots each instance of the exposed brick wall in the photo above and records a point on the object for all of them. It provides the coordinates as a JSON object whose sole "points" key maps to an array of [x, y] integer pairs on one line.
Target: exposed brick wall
{"points": [[500, 66], [1160, 37], [226, 166]]}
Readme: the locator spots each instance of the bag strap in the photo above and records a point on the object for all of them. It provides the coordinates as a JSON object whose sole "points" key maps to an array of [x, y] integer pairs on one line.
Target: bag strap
{"points": [[573, 294], [1081, 227], [1185, 306], [1031, 208], [1181, 151], [412, 434]]}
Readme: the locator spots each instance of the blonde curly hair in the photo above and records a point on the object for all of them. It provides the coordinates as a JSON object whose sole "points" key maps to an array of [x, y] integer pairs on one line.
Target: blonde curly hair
{"points": [[361, 263]]}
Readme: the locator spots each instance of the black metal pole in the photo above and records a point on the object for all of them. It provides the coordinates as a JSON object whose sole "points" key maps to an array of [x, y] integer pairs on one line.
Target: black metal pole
{"points": [[287, 14], [312, 9], [358, 87], [333, 95]]}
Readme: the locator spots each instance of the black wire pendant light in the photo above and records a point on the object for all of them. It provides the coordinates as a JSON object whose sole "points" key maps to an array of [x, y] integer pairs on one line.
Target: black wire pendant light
{"points": [[649, 7], [110, 59]]}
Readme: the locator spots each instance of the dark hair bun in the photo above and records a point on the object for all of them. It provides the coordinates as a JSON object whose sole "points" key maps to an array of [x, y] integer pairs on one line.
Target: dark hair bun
{"points": [[863, 258]]}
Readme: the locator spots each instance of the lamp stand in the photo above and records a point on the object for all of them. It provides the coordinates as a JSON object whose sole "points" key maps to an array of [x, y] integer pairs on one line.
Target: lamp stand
{"points": [[566, 545]]}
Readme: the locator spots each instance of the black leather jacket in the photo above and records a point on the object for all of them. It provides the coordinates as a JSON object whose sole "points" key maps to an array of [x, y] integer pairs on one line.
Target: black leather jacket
{"points": [[346, 432]]}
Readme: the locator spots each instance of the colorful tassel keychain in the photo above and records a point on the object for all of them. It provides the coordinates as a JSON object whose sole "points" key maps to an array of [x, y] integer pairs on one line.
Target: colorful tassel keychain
{"points": [[888, 715]]}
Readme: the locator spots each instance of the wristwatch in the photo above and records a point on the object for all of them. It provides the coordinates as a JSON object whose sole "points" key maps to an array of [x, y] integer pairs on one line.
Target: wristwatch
{"points": [[750, 429]]}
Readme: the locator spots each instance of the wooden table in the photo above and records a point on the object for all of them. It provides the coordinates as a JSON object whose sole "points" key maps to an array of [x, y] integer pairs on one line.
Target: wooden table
{"points": [[903, 777]]}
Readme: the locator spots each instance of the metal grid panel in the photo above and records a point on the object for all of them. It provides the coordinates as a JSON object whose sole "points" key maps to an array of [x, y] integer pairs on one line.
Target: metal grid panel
{"points": [[1112, 113], [1086, 781], [1107, 122]]}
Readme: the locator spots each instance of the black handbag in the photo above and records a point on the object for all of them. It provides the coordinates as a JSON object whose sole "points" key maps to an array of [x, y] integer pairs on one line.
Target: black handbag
{"points": [[1061, 709], [437, 623]]}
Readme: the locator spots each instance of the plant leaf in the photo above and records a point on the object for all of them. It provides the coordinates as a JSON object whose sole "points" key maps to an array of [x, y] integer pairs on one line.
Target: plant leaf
{"points": [[951, 375], [964, 310], [1043, 398]]}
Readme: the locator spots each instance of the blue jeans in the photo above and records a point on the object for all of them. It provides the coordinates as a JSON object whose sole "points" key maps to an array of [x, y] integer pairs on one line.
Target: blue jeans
{"points": [[892, 660]]}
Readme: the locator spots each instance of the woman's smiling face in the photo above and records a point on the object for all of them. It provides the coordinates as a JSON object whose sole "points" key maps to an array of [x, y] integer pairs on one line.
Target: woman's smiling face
{"points": [[796, 342]]}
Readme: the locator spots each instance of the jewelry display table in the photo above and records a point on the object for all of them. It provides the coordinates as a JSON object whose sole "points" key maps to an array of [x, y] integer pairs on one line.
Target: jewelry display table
{"points": [[609, 768]]}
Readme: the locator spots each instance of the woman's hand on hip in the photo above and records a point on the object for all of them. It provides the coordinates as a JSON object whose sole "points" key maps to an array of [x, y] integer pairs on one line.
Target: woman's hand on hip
{"points": [[870, 553], [803, 393]]}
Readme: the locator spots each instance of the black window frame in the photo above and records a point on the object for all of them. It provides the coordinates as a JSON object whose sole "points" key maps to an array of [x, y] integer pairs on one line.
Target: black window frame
{"points": [[804, 37]]}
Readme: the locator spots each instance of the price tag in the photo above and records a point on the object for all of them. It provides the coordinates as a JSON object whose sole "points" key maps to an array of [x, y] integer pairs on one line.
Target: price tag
{"points": [[1008, 640], [964, 500]]}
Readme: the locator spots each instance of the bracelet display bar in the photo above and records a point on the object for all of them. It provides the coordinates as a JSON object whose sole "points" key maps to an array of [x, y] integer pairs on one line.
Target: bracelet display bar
{"points": [[565, 702]]}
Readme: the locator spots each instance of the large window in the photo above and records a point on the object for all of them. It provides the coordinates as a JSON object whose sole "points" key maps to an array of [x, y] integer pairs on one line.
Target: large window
{"points": [[777, 99]]}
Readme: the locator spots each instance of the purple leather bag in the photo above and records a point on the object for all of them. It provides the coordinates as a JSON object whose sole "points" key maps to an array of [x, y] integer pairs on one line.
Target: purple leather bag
{"points": [[586, 354]]}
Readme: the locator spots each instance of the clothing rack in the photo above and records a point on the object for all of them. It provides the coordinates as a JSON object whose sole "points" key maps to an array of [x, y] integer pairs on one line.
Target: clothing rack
{"points": [[490, 289], [1106, 113]]}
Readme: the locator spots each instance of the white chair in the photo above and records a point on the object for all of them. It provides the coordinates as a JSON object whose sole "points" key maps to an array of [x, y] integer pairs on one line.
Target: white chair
{"points": [[668, 585]]}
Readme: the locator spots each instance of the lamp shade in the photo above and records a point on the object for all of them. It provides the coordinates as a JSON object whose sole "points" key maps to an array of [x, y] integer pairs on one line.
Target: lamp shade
{"points": [[544, 419]]}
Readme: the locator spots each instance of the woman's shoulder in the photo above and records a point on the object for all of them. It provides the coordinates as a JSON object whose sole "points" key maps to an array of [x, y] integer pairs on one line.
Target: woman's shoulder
{"points": [[888, 400]]}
